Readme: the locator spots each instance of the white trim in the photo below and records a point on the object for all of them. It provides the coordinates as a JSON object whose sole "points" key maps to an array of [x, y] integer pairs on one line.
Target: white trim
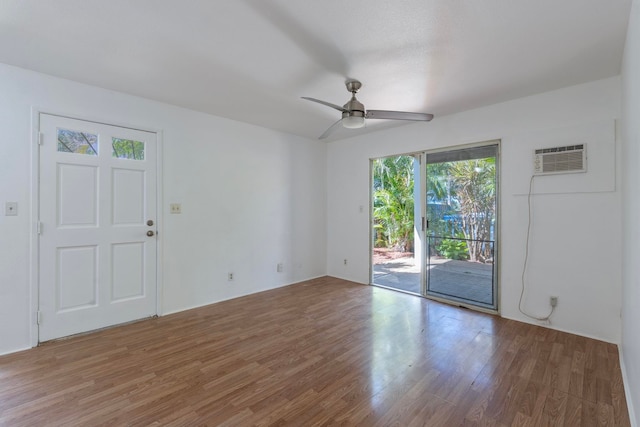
{"points": [[497, 252], [551, 325], [271, 288], [159, 223], [348, 279], [627, 391], [17, 350], [370, 222], [35, 209], [93, 119], [34, 218]]}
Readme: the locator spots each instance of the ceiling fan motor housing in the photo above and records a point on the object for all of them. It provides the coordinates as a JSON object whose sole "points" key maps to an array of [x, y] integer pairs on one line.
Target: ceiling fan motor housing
{"points": [[354, 109], [353, 117]]}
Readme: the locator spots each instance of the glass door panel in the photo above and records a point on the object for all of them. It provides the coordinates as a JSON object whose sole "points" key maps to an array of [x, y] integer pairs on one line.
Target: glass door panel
{"points": [[396, 256], [461, 225]]}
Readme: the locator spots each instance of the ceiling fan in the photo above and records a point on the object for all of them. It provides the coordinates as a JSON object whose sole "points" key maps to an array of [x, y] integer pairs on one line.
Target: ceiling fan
{"points": [[354, 114]]}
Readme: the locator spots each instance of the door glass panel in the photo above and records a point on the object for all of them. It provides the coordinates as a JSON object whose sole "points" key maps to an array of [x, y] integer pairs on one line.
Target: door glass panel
{"points": [[127, 149], [396, 264], [72, 141], [461, 213]]}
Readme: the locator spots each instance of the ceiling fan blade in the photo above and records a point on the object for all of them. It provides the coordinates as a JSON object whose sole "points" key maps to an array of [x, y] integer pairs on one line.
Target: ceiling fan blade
{"points": [[398, 115], [328, 104], [331, 129]]}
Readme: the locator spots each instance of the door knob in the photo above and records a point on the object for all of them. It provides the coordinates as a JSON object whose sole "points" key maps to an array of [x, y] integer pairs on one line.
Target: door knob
{"points": [[150, 222], [150, 233]]}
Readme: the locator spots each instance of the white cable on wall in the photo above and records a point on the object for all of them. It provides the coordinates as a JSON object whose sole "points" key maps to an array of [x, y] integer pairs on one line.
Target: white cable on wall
{"points": [[526, 260]]}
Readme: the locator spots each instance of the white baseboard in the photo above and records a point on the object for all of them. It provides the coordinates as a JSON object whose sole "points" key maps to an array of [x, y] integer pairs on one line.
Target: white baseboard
{"points": [[15, 351], [627, 392], [281, 285]]}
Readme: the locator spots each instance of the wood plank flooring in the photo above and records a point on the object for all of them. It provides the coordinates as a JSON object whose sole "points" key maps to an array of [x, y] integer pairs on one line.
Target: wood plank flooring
{"points": [[322, 352]]}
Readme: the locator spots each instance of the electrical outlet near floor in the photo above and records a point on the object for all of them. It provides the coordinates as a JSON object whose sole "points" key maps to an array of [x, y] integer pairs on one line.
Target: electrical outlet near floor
{"points": [[280, 267], [553, 301], [11, 208], [345, 261], [230, 277]]}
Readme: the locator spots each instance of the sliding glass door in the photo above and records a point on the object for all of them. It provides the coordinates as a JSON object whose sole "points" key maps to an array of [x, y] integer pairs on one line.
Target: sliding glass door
{"points": [[434, 227], [461, 225]]}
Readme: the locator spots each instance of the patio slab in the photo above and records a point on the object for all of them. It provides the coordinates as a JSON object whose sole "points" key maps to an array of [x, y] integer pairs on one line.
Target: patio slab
{"points": [[460, 280]]}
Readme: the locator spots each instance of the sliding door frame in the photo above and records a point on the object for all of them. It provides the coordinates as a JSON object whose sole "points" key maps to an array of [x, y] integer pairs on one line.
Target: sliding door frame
{"points": [[496, 247], [420, 222]]}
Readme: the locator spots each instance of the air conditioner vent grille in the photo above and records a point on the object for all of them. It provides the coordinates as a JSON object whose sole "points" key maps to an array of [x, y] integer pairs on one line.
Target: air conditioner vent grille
{"points": [[571, 158]]}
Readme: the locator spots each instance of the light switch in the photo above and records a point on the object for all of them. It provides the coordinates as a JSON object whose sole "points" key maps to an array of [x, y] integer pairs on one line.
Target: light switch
{"points": [[11, 208]]}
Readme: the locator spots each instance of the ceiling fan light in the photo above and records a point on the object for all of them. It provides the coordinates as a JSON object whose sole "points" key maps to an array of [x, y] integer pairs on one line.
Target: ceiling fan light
{"points": [[353, 122]]}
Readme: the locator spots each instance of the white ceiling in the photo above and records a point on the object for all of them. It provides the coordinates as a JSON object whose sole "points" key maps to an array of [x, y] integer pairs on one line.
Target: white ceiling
{"points": [[252, 60]]}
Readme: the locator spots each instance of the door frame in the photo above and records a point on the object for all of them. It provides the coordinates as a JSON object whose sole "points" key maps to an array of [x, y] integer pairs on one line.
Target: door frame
{"points": [[422, 155], [496, 248], [34, 261]]}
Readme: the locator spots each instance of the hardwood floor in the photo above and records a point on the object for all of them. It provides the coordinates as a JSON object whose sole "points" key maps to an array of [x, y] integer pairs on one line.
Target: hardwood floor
{"points": [[322, 352]]}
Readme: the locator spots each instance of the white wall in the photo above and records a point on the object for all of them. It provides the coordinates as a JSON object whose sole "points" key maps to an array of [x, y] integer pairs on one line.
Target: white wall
{"points": [[631, 212], [253, 197], [575, 246], [250, 197]]}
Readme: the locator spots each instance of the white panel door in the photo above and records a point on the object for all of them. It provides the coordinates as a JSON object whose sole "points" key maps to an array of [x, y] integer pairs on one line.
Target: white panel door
{"points": [[97, 243]]}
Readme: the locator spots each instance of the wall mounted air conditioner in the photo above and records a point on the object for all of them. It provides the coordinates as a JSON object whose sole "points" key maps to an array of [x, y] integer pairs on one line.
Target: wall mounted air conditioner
{"points": [[555, 160]]}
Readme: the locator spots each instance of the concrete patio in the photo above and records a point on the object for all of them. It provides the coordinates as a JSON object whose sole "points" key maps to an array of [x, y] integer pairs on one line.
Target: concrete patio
{"points": [[463, 281]]}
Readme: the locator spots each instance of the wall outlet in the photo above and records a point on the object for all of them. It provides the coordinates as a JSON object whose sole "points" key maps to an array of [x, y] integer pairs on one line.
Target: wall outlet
{"points": [[280, 267], [345, 261], [553, 301], [175, 208], [230, 277], [11, 208]]}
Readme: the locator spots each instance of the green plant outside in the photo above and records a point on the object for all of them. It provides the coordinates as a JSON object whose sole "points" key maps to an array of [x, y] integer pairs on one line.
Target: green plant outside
{"points": [[460, 203], [453, 249], [469, 189], [393, 203]]}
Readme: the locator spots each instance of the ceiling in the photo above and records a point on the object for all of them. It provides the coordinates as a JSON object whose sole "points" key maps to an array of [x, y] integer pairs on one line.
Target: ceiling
{"points": [[252, 60]]}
